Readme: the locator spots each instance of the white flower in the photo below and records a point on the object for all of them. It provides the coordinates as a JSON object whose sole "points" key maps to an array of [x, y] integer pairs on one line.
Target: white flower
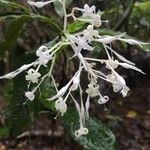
{"points": [[120, 57], [13, 74], [88, 11], [113, 63], [103, 99], [118, 83], [116, 87], [96, 20], [76, 80], [30, 95], [93, 90], [39, 4], [61, 92], [90, 33], [60, 105], [128, 66], [33, 76], [106, 39], [125, 91], [43, 55], [75, 85], [133, 42], [81, 131], [79, 43]]}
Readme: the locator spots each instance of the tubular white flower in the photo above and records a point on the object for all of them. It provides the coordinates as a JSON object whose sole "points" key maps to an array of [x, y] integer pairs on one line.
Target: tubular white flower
{"points": [[30, 95], [60, 105], [13, 74], [116, 87], [81, 43], [80, 132], [128, 66], [133, 42], [33, 76], [76, 79], [39, 4], [87, 106], [106, 39], [43, 55], [118, 82], [125, 91], [103, 99], [88, 11], [96, 20], [90, 33], [113, 63], [63, 90]]}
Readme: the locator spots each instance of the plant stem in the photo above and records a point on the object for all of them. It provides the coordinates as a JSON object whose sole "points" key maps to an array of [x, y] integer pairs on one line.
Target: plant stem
{"points": [[65, 15]]}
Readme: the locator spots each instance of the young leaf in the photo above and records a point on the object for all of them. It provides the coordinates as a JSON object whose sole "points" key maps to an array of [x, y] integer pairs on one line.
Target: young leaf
{"points": [[99, 136], [75, 26]]}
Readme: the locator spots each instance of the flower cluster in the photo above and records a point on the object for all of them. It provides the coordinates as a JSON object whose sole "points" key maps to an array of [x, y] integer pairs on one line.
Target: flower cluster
{"points": [[79, 42]]}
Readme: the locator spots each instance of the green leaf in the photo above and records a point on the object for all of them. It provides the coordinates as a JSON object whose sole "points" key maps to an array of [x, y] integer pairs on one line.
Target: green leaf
{"points": [[59, 7], [99, 136], [15, 27], [19, 116], [50, 21], [47, 90], [12, 33], [75, 26], [8, 4], [4, 132]]}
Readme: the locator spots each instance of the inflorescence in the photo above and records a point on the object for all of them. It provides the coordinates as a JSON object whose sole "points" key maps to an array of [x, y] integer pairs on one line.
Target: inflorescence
{"points": [[79, 42]]}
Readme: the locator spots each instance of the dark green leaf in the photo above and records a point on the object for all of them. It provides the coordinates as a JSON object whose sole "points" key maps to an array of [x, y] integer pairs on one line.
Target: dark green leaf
{"points": [[4, 132], [8, 4], [12, 33], [15, 27], [49, 21], [47, 90], [19, 116], [99, 136]]}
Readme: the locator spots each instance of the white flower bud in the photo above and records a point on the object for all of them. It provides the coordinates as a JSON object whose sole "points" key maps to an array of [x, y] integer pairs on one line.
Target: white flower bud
{"points": [[116, 87], [93, 90], [81, 131], [97, 22], [39, 4], [75, 85], [30, 95], [103, 99], [125, 91], [112, 63], [60, 105], [90, 33]]}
